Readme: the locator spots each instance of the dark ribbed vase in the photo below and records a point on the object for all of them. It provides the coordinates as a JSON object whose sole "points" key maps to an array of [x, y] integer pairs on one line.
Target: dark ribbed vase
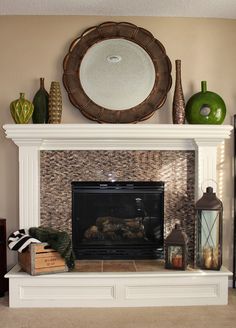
{"points": [[178, 108]]}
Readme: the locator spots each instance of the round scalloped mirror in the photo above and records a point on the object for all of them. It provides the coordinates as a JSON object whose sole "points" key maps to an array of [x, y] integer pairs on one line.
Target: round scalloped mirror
{"points": [[117, 73]]}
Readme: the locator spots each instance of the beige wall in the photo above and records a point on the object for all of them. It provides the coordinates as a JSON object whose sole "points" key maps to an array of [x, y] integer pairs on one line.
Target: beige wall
{"points": [[34, 47]]}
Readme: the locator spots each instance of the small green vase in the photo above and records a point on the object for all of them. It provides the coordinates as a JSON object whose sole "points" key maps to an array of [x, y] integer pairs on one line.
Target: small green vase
{"points": [[205, 107], [40, 101], [21, 110]]}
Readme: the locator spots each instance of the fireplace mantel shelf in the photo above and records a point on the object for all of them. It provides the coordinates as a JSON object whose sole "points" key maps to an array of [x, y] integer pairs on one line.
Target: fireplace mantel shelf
{"points": [[116, 136]]}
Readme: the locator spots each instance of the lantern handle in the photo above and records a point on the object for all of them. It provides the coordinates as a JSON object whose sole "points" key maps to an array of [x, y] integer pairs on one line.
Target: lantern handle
{"points": [[207, 185]]}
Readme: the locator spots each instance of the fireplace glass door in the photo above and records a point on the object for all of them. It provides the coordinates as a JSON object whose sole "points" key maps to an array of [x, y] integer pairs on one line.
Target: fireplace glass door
{"points": [[118, 220]]}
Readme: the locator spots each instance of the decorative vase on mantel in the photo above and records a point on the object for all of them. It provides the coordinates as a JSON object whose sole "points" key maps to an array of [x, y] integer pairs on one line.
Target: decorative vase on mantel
{"points": [[55, 103], [40, 101], [178, 108], [205, 107], [21, 110]]}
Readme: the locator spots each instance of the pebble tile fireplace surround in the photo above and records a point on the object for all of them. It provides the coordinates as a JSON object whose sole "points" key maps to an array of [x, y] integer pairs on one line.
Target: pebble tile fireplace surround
{"points": [[196, 143], [60, 168]]}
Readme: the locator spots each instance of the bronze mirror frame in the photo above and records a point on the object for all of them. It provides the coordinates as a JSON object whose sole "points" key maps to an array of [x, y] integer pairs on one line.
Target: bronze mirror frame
{"points": [[114, 30]]}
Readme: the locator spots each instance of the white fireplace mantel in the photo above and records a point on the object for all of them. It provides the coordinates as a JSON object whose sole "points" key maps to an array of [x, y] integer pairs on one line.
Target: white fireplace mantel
{"points": [[116, 136], [32, 138], [113, 289]]}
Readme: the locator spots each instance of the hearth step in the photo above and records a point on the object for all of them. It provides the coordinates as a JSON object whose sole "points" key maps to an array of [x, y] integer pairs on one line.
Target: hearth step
{"points": [[118, 289]]}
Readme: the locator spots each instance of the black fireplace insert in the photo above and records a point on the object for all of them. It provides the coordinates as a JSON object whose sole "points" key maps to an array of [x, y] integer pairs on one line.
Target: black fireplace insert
{"points": [[118, 220]]}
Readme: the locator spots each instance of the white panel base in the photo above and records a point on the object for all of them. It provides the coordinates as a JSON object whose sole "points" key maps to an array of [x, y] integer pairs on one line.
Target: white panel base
{"points": [[114, 289]]}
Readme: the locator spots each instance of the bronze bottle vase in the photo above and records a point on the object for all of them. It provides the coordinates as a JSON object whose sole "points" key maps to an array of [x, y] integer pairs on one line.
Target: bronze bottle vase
{"points": [[178, 108], [55, 103]]}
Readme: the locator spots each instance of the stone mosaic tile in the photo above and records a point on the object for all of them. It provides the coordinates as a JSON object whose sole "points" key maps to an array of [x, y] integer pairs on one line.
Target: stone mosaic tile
{"points": [[176, 168]]}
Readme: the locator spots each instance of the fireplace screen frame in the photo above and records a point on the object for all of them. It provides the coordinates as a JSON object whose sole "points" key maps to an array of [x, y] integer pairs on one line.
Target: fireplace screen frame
{"points": [[114, 250]]}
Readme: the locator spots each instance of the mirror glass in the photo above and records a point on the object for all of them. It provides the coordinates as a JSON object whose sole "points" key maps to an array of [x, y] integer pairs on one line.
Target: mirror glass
{"points": [[117, 74]]}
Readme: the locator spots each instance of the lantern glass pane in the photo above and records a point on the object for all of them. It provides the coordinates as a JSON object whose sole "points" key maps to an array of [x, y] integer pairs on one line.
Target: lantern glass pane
{"points": [[209, 238], [175, 256]]}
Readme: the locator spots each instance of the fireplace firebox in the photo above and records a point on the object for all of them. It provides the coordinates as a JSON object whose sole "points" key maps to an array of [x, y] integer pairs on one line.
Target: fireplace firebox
{"points": [[118, 220]]}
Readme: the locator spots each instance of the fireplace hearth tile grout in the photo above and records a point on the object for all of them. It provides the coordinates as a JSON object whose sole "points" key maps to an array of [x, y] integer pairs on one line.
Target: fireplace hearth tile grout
{"points": [[121, 266]]}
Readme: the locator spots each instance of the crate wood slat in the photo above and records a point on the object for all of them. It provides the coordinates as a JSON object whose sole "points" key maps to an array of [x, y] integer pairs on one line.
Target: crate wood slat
{"points": [[39, 259]]}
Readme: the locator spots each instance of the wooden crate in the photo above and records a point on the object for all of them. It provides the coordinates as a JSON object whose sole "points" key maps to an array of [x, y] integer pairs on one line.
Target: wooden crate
{"points": [[39, 259]]}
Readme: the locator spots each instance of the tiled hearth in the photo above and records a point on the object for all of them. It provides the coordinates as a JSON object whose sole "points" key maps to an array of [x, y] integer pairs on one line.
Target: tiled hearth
{"points": [[121, 266], [108, 288]]}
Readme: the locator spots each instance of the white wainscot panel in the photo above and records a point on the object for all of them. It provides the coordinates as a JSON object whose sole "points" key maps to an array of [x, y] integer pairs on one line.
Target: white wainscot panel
{"points": [[67, 292]]}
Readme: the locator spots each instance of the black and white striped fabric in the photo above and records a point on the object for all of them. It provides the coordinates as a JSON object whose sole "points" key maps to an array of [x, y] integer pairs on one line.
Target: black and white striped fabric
{"points": [[20, 240]]}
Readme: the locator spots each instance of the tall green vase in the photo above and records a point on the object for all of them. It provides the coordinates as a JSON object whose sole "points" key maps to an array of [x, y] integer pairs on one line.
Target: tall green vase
{"points": [[205, 107], [21, 110], [40, 101]]}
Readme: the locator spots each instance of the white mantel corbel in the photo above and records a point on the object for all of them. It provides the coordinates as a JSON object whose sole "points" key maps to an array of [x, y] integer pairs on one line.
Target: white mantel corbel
{"points": [[31, 139]]}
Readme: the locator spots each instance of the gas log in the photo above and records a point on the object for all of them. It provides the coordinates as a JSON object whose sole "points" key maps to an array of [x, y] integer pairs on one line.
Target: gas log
{"points": [[115, 229]]}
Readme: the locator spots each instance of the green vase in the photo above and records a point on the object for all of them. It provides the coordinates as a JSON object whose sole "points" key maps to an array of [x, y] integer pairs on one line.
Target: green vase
{"points": [[21, 110], [205, 107], [40, 101]]}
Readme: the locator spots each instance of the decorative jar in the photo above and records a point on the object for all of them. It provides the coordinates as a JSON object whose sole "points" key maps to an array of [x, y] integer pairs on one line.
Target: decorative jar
{"points": [[40, 101], [55, 103], [178, 107], [21, 110], [205, 107]]}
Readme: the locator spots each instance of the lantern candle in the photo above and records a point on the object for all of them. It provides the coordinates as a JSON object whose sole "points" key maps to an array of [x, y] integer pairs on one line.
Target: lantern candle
{"points": [[209, 215], [176, 249], [177, 261]]}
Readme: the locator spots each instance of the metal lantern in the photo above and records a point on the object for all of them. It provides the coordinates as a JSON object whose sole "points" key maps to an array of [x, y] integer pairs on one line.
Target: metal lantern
{"points": [[176, 249], [209, 215]]}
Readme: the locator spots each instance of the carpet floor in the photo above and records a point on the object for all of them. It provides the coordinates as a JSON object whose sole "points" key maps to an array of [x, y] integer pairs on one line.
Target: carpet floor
{"points": [[153, 317]]}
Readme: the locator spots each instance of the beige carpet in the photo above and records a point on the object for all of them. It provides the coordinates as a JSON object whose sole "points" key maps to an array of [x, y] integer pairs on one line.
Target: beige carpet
{"points": [[164, 317]]}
